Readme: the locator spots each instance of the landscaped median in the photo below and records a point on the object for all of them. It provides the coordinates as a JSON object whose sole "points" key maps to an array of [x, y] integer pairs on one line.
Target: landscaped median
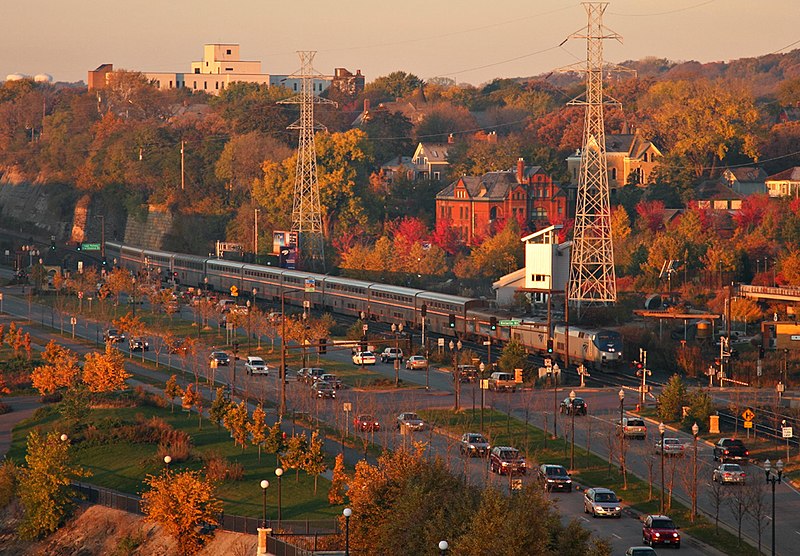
{"points": [[590, 470]]}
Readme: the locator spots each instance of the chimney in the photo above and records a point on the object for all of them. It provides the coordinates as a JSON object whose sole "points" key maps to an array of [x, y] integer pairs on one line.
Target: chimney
{"points": [[450, 139], [520, 170], [366, 105]]}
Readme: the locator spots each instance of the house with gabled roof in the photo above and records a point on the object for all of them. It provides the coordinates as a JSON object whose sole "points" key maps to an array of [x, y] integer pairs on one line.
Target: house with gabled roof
{"points": [[784, 184], [747, 180], [630, 158], [430, 160]]}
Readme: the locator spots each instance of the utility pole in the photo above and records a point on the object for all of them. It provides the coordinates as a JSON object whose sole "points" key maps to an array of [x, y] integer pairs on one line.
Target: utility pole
{"points": [[183, 174], [306, 209], [592, 276]]}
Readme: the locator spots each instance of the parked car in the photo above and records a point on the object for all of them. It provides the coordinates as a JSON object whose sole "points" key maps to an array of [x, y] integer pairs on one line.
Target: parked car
{"points": [[467, 373], [322, 389], [730, 449], [473, 444], [578, 405], [411, 421], [729, 473], [256, 366], [366, 423], [416, 362], [659, 529], [113, 335], [505, 459], [554, 477], [640, 551], [138, 344], [672, 447], [220, 357], [600, 501], [364, 358], [310, 375], [632, 427], [332, 379], [392, 354]]}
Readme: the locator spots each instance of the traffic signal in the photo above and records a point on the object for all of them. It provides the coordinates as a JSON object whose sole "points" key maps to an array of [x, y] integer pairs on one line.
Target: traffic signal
{"points": [[423, 310], [79, 246], [549, 345], [493, 323], [452, 321], [104, 262], [52, 245], [761, 352], [323, 345]]}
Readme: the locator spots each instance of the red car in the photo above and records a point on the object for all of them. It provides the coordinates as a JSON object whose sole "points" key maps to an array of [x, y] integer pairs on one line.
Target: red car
{"points": [[366, 423], [659, 529]]}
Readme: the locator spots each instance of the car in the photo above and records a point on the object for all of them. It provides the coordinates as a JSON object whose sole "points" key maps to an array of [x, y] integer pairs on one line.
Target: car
{"points": [[660, 529], [366, 422], [554, 477], [392, 354], [467, 373], [505, 460], [220, 358], [416, 362], [113, 335], [730, 449], [672, 447], [178, 345], [322, 389], [578, 405], [138, 344], [632, 427], [364, 358], [640, 551], [410, 421], [332, 379], [473, 444], [310, 375], [729, 473], [600, 501], [256, 366]]}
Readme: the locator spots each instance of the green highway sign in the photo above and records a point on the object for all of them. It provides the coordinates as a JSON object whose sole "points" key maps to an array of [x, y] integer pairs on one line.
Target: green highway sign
{"points": [[90, 246], [512, 322]]}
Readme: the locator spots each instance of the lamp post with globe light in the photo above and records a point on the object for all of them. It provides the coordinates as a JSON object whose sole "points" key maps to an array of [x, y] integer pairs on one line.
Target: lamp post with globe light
{"points": [[279, 474], [482, 368], [661, 430], [397, 329], [695, 430], [455, 347], [347, 512], [621, 395], [443, 546], [773, 478], [264, 486], [572, 397]]}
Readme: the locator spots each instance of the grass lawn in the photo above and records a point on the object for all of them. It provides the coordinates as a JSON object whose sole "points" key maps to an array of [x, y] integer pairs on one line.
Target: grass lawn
{"points": [[123, 466], [591, 470]]}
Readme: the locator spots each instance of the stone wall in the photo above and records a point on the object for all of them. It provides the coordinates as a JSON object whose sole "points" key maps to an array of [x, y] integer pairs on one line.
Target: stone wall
{"points": [[149, 233]]}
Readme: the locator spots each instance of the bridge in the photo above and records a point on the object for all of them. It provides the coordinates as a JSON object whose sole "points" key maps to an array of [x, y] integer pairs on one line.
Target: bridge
{"points": [[785, 294]]}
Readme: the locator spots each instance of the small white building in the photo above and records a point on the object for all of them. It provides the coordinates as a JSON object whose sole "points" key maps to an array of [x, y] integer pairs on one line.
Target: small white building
{"points": [[546, 268]]}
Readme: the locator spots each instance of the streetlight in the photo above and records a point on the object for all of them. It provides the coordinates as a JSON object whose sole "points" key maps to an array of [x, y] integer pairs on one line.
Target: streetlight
{"points": [[264, 486], [661, 430], [347, 512], [167, 461], [572, 397], [695, 430], [397, 328], [443, 546], [621, 395], [133, 294], [248, 326], [279, 474], [773, 478], [455, 348], [482, 368]]}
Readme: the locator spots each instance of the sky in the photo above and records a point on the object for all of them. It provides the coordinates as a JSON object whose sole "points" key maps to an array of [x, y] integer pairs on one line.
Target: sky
{"points": [[471, 41]]}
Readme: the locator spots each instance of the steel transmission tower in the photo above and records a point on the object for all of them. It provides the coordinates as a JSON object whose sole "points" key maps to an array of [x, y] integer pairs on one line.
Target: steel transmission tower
{"points": [[306, 209], [592, 278]]}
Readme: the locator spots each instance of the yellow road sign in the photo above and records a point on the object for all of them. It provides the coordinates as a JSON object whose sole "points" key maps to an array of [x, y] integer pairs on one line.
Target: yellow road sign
{"points": [[748, 415], [748, 424], [234, 291]]}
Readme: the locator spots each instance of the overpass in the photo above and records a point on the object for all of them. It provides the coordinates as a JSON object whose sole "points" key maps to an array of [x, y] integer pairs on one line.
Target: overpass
{"points": [[785, 294]]}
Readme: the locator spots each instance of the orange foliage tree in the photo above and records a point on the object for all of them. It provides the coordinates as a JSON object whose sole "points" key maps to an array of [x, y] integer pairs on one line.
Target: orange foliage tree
{"points": [[105, 372], [60, 371]]}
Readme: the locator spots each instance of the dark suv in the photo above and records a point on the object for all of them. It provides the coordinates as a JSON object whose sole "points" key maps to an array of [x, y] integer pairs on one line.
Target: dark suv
{"points": [[113, 335], [578, 405], [554, 477], [659, 529], [730, 449], [505, 459]]}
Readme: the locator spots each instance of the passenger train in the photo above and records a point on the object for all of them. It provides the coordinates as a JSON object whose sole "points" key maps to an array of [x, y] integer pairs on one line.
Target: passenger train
{"points": [[443, 314]]}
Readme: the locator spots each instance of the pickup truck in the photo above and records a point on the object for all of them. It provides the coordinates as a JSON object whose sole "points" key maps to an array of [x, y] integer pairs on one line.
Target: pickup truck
{"points": [[500, 382]]}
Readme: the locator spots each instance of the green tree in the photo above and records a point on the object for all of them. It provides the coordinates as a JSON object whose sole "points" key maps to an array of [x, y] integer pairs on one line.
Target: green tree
{"points": [[275, 442], [235, 421], [220, 405], [701, 406], [672, 399], [397, 84], [295, 454], [172, 390], [45, 484], [514, 356], [257, 428], [314, 460]]}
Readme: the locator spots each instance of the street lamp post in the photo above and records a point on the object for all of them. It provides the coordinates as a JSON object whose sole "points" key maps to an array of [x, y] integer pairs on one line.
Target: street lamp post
{"points": [[249, 307], [133, 294], [264, 486], [396, 329], [661, 430], [455, 347], [695, 430], [480, 380], [347, 512], [279, 474], [621, 395], [167, 461], [443, 546], [773, 478], [572, 397]]}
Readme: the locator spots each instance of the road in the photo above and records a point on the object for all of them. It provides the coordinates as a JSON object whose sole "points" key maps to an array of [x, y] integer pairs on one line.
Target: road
{"points": [[386, 404]]}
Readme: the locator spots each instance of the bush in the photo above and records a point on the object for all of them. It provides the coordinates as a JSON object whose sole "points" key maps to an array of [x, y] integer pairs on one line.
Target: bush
{"points": [[179, 450], [4, 408], [53, 397], [8, 482], [219, 469]]}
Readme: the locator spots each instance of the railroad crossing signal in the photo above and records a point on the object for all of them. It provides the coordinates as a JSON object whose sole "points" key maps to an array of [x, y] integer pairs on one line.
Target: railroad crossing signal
{"points": [[748, 415]]}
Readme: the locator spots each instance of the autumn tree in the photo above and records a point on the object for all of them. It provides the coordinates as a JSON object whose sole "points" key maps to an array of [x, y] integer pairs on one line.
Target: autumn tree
{"points": [[220, 405], [60, 371], [172, 390], [235, 421], [185, 505], [339, 481], [257, 427], [45, 484], [295, 454], [314, 460], [105, 372], [275, 441]]}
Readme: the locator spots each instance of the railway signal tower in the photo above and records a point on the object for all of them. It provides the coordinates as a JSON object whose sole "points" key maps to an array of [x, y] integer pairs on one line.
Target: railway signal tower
{"points": [[306, 208]]}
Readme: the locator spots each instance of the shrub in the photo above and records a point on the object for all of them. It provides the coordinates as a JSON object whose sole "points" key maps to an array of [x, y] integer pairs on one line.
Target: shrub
{"points": [[54, 397], [4, 408], [8, 482], [179, 450], [219, 469]]}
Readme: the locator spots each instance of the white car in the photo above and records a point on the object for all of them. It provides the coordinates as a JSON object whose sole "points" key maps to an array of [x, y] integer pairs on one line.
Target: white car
{"points": [[364, 358], [256, 366]]}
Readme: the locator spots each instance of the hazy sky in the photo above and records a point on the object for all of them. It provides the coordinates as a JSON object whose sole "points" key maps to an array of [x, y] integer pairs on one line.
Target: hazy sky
{"points": [[471, 41]]}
